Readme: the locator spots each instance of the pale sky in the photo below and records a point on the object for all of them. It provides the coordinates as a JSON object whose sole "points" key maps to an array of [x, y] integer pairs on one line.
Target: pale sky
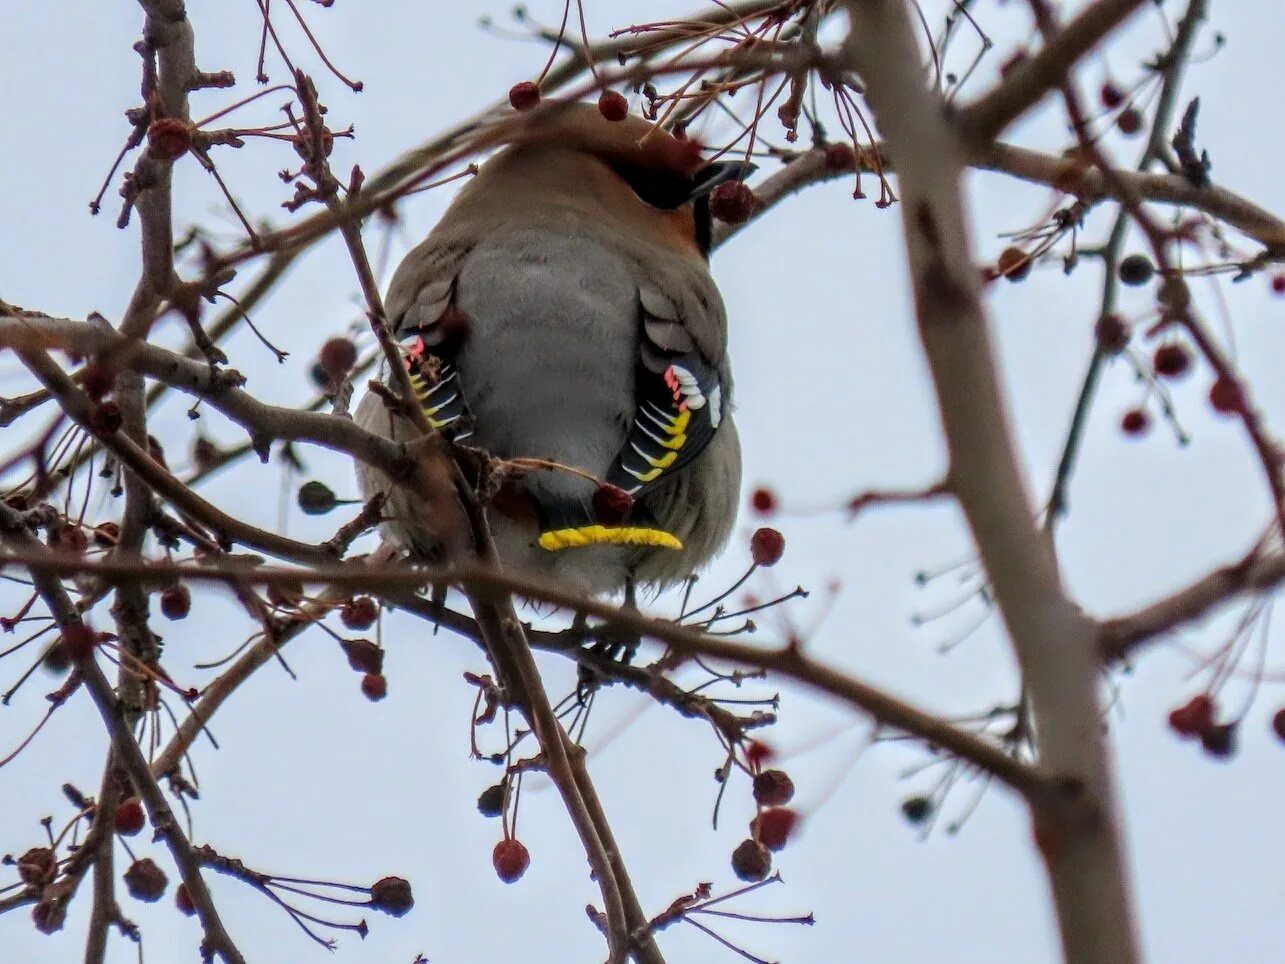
{"points": [[313, 780]]}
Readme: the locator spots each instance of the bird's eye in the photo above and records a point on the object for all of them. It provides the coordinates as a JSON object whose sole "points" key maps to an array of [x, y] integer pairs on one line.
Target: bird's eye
{"points": [[661, 189]]}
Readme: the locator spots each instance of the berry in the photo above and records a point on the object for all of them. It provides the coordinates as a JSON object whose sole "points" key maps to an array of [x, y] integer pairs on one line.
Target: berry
{"points": [[772, 827], [763, 501], [1278, 724], [176, 601], [1112, 334], [129, 817], [524, 95], [840, 157], [70, 538], [359, 613], [169, 138], [38, 866], [392, 895], [1129, 122], [773, 788], [751, 861], [510, 859], [612, 105], [97, 380], [337, 357], [732, 202], [1136, 421], [78, 640], [1227, 396], [766, 546], [1013, 264], [1171, 360], [363, 656], [1278, 284], [183, 900], [612, 504], [1112, 96], [757, 753], [145, 881], [1136, 270], [374, 686], [916, 809], [1219, 740], [491, 801], [316, 498], [1195, 717]]}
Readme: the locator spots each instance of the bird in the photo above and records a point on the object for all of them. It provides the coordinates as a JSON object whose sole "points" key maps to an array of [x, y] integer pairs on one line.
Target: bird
{"points": [[563, 310]]}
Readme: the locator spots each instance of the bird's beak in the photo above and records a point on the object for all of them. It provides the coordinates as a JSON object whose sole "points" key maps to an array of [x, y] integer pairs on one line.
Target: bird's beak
{"points": [[719, 172]]}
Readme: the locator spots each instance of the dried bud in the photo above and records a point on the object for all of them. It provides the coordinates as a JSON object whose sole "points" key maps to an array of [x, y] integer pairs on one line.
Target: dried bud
{"points": [[612, 505], [510, 859], [145, 881], [129, 818], [732, 202], [772, 827], [316, 498], [374, 686], [524, 95], [392, 895], [359, 613], [491, 801], [337, 357], [364, 656], [176, 601], [169, 138], [773, 788], [767, 546], [751, 861], [612, 105]]}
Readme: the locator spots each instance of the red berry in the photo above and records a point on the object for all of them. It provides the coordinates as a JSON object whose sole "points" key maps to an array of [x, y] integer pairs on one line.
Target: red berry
{"points": [[145, 880], [773, 788], [1135, 422], [490, 803], [1219, 740], [524, 95], [766, 546], [374, 686], [1194, 717], [169, 138], [392, 895], [510, 859], [840, 157], [612, 504], [78, 640], [772, 827], [1227, 396], [176, 601], [1129, 121], [732, 202], [1013, 264], [129, 817], [612, 105], [337, 357], [763, 500], [757, 753], [1112, 334], [1112, 97], [751, 861], [183, 901], [1171, 360], [1278, 283], [1278, 724], [359, 613]]}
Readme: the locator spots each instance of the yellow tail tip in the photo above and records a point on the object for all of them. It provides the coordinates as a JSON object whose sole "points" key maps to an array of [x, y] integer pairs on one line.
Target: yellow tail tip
{"points": [[596, 535]]}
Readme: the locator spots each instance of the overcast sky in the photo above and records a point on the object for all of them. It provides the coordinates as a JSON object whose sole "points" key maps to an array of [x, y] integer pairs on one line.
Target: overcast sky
{"points": [[313, 780]]}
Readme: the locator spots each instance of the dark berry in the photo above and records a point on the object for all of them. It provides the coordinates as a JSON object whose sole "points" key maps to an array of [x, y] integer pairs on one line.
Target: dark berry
{"points": [[772, 827], [145, 880], [1136, 269], [1013, 264], [1227, 396], [916, 809], [359, 613], [751, 861], [766, 546], [1278, 284], [1112, 334], [374, 686], [510, 859], [1112, 96], [1129, 121], [176, 601], [732, 202], [1219, 740], [337, 357], [1171, 360], [129, 817], [364, 656], [183, 900], [840, 157], [1136, 421], [491, 801], [1278, 724], [392, 895], [773, 788], [316, 498]]}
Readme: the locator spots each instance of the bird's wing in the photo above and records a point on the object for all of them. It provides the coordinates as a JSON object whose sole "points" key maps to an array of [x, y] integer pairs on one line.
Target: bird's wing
{"points": [[680, 398]]}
